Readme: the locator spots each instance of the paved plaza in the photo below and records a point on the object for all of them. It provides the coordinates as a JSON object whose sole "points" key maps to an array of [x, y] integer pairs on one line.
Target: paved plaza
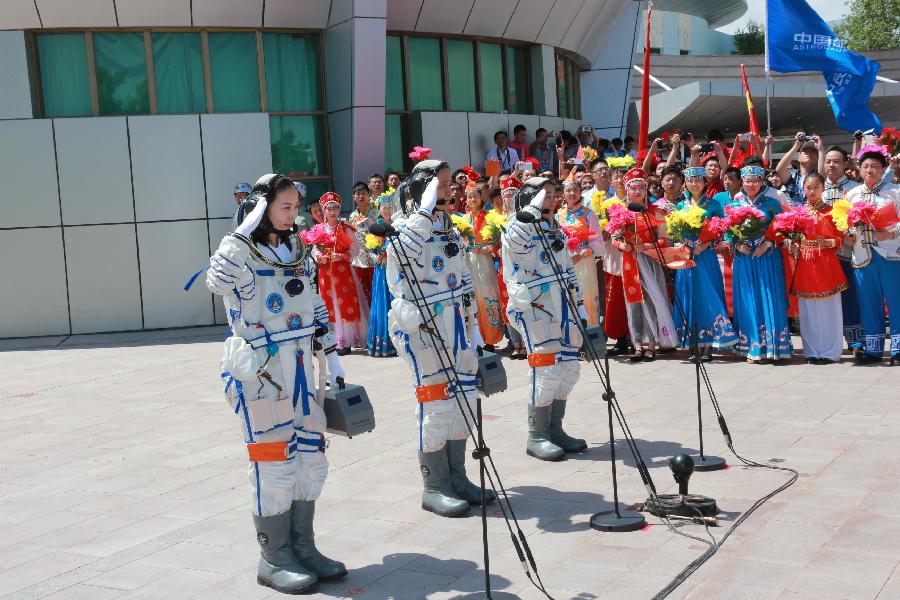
{"points": [[123, 475]]}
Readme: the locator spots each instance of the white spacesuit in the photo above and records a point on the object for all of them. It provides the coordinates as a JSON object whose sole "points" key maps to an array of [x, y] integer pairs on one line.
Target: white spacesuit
{"points": [[539, 310], [436, 256], [277, 325]]}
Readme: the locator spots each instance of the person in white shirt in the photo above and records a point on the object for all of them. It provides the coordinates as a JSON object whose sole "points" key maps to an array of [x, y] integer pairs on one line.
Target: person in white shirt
{"points": [[502, 152]]}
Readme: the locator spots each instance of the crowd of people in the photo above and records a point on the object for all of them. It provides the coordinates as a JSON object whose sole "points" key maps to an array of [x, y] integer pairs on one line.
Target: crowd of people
{"points": [[705, 254], [705, 264]]}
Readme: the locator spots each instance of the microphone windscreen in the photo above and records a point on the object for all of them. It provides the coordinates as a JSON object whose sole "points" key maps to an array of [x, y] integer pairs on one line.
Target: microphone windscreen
{"points": [[636, 207], [382, 230], [525, 217]]}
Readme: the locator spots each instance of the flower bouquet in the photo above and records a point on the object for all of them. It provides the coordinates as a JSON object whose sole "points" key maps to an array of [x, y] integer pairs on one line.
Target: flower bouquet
{"points": [[713, 229], [374, 243], [600, 205], [890, 139], [685, 223], [463, 226], [493, 228], [745, 222], [577, 236], [795, 225], [319, 236], [618, 219]]}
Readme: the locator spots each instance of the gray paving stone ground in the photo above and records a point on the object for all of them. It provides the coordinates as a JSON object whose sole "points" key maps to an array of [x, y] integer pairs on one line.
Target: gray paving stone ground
{"points": [[122, 475]]}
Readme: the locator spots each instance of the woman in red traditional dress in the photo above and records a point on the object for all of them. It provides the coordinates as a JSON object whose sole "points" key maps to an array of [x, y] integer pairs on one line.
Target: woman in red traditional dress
{"points": [[334, 245], [819, 281]]}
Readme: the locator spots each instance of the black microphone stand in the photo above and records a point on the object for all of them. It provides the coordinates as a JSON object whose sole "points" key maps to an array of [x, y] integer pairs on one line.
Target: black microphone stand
{"points": [[701, 462], [482, 452], [615, 520]]}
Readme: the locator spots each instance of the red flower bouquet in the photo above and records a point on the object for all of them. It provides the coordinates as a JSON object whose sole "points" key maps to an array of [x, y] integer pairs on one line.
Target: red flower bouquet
{"points": [[794, 224], [745, 222], [713, 229]]}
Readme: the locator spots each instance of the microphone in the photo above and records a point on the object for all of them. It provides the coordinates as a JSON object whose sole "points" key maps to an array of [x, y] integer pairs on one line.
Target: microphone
{"points": [[637, 207], [383, 230], [525, 216]]}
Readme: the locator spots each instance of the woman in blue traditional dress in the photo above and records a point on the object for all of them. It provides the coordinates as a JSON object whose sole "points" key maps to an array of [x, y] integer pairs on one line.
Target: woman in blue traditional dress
{"points": [[700, 291], [760, 301], [379, 343]]}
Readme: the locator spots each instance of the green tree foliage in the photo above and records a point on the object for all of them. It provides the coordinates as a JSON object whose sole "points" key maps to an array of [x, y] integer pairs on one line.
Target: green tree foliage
{"points": [[750, 39], [871, 25]]}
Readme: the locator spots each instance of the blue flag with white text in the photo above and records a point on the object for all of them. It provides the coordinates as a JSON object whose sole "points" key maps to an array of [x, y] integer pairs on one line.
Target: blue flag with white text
{"points": [[798, 39]]}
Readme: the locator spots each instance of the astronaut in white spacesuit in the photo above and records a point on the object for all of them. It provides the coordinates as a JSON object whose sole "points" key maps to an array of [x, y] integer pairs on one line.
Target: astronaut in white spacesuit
{"points": [[279, 326], [436, 256], [538, 309]]}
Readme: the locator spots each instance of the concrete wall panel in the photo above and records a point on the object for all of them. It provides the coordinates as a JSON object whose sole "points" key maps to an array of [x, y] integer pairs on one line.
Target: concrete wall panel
{"points": [[103, 278], [309, 14], [440, 15], [15, 101], [215, 13], [339, 52], [19, 14], [170, 254], [369, 50], [28, 173], [447, 134], [67, 13], [490, 17], [168, 167], [33, 274], [141, 13], [403, 14], [217, 230], [235, 148], [94, 170]]}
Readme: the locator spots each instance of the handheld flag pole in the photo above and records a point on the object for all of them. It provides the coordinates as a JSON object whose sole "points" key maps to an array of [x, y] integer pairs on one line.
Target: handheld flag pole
{"points": [[768, 73]]}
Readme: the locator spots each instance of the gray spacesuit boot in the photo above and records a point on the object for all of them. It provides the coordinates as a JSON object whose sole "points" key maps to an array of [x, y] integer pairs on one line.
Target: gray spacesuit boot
{"points": [[278, 567], [560, 437], [539, 442], [465, 489], [438, 496], [302, 514]]}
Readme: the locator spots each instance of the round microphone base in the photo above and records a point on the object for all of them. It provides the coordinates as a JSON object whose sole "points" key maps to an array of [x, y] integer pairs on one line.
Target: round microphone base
{"points": [[626, 520], [709, 463], [690, 505]]}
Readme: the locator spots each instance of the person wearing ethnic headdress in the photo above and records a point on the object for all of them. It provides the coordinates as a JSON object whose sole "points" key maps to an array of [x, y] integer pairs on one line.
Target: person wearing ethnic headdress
{"points": [[581, 226], [643, 277], [334, 246], [875, 255], [279, 328], [480, 254], [615, 320], [379, 342], [758, 287], [509, 193], [363, 215], [833, 165], [700, 290], [818, 279], [540, 310], [427, 258]]}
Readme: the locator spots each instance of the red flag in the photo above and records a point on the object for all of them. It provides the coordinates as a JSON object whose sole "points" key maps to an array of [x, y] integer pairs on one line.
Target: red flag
{"points": [[754, 128], [643, 130]]}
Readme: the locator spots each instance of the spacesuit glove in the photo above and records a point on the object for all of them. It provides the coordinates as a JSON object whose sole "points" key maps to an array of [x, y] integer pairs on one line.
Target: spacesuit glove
{"points": [[252, 220], [429, 197], [335, 369], [538, 201], [224, 275]]}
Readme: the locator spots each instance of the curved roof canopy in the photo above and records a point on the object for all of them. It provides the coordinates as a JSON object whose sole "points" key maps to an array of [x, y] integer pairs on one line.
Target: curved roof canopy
{"points": [[717, 13]]}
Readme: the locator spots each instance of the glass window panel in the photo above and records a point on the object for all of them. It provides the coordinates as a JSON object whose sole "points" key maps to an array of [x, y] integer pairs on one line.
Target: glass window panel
{"points": [[178, 69], [517, 79], [461, 75], [298, 145], [314, 191], [561, 93], [65, 84], [393, 85], [426, 91], [292, 71], [235, 76], [394, 143], [122, 84], [490, 58]]}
